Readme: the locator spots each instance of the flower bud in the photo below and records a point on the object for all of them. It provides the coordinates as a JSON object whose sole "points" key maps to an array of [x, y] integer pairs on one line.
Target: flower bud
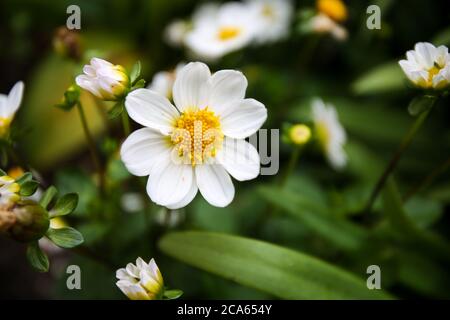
{"points": [[26, 221], [299, 134], [104, 80], [141, 281]]}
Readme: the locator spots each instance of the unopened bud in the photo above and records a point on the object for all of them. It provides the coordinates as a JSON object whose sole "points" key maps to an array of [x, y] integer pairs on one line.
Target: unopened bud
{"points": [[67, 43]]}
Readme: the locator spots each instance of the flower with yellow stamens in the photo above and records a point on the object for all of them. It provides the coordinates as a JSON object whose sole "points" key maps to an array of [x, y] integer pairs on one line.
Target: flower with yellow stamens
{"points": [[9, 191], [142, 281], [199, 143], [427, 66]]}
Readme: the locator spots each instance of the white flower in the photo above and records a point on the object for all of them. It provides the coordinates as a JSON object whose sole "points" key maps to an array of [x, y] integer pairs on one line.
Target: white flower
{"points": [[141, 281], [176, 31], [9, 105], [321, 23], [330, 133], [427, 66], [103, 79], [199, 143], [217, 32], [9, 191], [163, 81], [273, 18]]}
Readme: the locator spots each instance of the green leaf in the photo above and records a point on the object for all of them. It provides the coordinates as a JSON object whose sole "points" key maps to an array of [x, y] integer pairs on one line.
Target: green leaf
{"points": [[66, 237], [28, 188], [65, 205], [317, 218], [172, 294], [139, 84], [421, 104], [37, 257], [27, 176], [384, 78], [135, 72], [273, 269], [48, 196], [116, 110], [2, 173]]}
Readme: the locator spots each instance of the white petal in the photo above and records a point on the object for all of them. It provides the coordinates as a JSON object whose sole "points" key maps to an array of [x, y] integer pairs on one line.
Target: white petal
{"points": [[227, 86], [214, 184], [187, 199], [151, 109], [242, 119], [15, 98], [168, 182], [192, 86], [142, 149], [240, 159], [132, 291], [425, 53], [132, 270]]}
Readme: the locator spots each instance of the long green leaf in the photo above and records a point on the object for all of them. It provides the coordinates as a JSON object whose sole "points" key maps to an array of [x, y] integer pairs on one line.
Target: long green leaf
{"points": [[338, 232], [276, 270]]}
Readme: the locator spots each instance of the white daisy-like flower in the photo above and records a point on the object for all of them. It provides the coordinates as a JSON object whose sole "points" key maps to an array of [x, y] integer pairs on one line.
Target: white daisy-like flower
{"points": [[9, 104], [163, 81], [273, 18], [9, 191], [142, 281], [217, 32], [321, 23], [103, 79], [330, 133], [427, 66], [199, 143]]}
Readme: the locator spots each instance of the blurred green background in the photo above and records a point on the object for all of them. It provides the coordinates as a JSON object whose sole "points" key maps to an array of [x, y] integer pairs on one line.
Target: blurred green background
{"points": [[317, 212]]}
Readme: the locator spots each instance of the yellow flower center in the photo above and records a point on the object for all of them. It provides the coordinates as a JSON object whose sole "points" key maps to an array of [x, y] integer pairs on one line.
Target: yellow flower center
{"points": [[4, 125], [433, 71], [228, 33], [197, 135], [300, 134], [335, 9], [323, 134]]}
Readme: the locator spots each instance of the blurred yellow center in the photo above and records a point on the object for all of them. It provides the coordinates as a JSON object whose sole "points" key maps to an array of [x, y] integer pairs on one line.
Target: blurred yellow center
{"points": [[227, 33], [323, 134], [300, 134], [197, 135], [335, 9], [4, 125], [268, 12]]}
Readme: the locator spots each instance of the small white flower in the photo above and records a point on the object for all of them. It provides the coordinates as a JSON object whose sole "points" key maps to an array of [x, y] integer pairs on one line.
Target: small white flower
{"points": [[427, 66], [103, 79], [273, 18], [176, 31], [141, 281], [330, 133], [321, 23], [163, 81], [199, 143], [217, 32], [9, 104], [9, 191]]}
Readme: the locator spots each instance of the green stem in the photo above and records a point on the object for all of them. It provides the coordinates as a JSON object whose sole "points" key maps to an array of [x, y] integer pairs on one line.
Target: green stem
{"points": [[407, 139], [428, 180], [91, 145], [125, 123], [291, 165]]}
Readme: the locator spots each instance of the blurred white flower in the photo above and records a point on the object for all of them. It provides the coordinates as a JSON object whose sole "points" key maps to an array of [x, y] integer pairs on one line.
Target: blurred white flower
{"points": [[219, 31], [321, 23], [103, 79], [273, 18], [163, 81], [9, 105], [169, 218], [141, 281], [330, 133], [427, 66], [176, 31], [9, 191], [199, 143], [132, 202]]}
